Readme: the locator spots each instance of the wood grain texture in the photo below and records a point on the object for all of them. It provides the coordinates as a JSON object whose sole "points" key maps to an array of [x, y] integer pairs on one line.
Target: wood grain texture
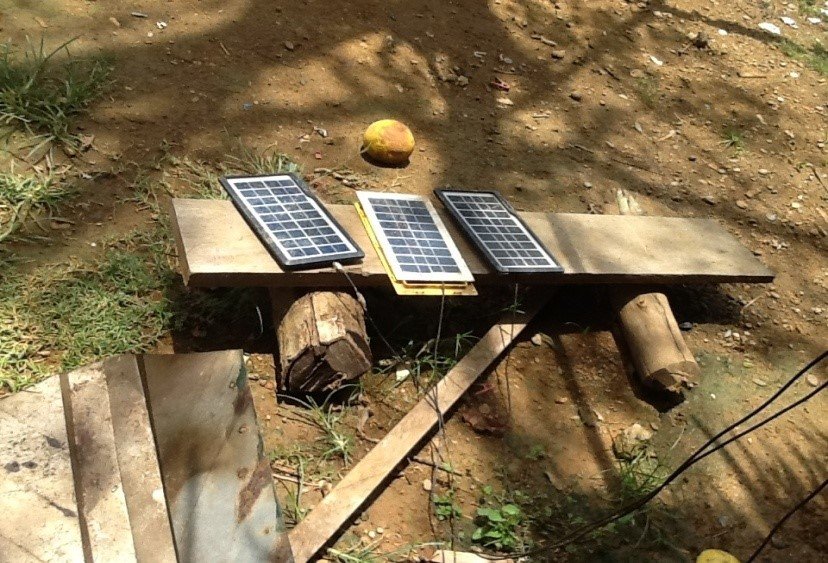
{"points": [[339, 506], [104, 519], [138, 461], [218, 249]]}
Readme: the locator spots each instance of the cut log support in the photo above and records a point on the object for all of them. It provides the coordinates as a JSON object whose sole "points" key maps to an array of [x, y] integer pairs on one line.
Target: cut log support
{"points": [[654, 341], [655, 344], [322, 340]]}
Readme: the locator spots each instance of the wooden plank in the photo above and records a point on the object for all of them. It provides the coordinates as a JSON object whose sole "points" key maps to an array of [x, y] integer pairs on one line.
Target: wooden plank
{"points": [[138, 462], [339, 506], [104, 520], [216, 478], [218, 249], [39, 519]]}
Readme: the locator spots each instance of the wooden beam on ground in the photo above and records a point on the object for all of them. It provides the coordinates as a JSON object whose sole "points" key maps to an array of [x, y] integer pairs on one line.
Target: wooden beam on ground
{"points": [[38, 513], [217, 249], [216, 477], [652, 336], [102, 509], [138, 462], [372, 471]]}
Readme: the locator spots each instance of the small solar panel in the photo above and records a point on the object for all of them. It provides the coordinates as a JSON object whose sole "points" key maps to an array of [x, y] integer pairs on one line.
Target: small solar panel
{"points": [[293, 225], [413, 238], [494, 227]]}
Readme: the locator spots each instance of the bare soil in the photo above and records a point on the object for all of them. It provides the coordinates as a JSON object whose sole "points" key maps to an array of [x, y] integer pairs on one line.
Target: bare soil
{"points": [[624, 99]]}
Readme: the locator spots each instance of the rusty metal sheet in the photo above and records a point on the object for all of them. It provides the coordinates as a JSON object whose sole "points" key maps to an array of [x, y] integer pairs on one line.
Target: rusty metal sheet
{"points": [[216, 478]]}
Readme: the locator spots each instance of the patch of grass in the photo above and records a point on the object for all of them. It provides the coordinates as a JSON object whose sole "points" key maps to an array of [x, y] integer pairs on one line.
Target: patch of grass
{"points": [[810, 7], [364, 551], [247, 160], [43, 95], [815, 56], [647, 90], [639, 476], [426, 365], [536, 453], [733, 139], [329, 420], [22, 196]]}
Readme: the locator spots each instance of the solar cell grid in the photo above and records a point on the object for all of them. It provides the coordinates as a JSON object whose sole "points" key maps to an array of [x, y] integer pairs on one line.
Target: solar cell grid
{"points": [[290, 221], [413, 238], [498, 232]]}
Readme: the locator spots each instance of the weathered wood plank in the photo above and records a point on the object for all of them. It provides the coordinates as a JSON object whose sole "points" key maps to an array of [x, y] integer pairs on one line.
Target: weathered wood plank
{"points": [[217, 481], [138, 462], [339, 506], [104, 519], [38, 513], [218, 249]]}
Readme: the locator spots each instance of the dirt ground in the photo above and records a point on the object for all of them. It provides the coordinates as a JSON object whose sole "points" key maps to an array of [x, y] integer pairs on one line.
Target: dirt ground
{"points": [[602, 95]]}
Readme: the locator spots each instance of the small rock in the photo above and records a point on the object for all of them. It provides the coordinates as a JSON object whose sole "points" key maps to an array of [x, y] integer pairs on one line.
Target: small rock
{"points": [[372, 534], [587, 185], [656, 61], [760, 382], [779, 543], [763, 171], [427, 484], [770, 28], [537, 339], [12, 467], [462, 81], [577, 96], [138, 15], [289, 45], [789, 21], [722, 32], [637, 73], [685, 326], [562, 400], [741, 204], [558, 54], [709, 199], [115, 22], [505, 102], [812, 380]]}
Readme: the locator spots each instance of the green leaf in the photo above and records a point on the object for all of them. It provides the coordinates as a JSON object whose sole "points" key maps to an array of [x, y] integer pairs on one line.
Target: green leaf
{"points": [[510, 510], [491, 514], [478, 534]]}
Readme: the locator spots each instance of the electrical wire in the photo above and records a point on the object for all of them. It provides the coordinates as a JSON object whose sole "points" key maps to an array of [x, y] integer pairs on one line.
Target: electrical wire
{"points": [[701, 453], [784, 519]]}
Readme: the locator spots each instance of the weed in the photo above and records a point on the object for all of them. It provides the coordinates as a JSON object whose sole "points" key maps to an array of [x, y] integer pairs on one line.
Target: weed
{"points": [[733, 139], [24, 196], [809, 7], [498, 527], [639, 476], [536, 452], [815, 57], [422, 359], [328, 420], [647, 89], [294, 511], [43, 97], [445, 508], [247, 160]]}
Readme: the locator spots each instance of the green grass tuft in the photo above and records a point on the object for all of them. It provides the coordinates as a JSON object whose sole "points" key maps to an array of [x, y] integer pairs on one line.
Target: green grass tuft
{"points": [[810, 7], [647, 89], [815, 57], [42, 95], [22, 196], [733, 139]]}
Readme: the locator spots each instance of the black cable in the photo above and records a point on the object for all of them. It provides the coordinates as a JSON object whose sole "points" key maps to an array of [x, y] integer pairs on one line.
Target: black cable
{"points": [[697, 456], [784, 519]]}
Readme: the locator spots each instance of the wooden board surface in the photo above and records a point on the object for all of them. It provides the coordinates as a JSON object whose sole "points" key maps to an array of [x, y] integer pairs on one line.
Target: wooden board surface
{"points": [[339, 506], [138, 462], [104, 519], [38, 513], [218, 249], [217, 480]]}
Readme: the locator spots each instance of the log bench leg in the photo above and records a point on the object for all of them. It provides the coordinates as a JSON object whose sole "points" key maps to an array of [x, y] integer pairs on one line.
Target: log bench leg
{"points": [[322, 340]]}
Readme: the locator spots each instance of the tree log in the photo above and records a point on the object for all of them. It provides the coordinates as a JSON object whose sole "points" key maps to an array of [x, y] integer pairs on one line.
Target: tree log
{"points": [[654, 341], [322, 340]]}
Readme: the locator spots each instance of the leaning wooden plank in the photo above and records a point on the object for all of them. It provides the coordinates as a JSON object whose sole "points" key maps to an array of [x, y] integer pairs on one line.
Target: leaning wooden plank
{"points": [[330, 515], [104, 519], [217, 481], [218, 249], [38, 514], [138, 462]]}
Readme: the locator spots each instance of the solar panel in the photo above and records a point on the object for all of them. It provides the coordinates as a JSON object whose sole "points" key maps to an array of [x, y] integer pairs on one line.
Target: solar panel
{"points": [[494, 227], [293, 225], [413, 238]]}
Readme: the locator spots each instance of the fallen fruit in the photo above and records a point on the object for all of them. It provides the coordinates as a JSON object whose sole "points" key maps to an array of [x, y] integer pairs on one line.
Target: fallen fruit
{"points": [[388, 141], [715, 556]]}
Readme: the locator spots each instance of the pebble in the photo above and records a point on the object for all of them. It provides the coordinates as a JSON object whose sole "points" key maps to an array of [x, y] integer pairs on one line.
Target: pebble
{"points": [[537, 339], [763, 171], [558, 54], [289, 45], [686, 325], [562, 400], [709, 199], [577, 96], [427, 484], [812, 380], [741, 204]]}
